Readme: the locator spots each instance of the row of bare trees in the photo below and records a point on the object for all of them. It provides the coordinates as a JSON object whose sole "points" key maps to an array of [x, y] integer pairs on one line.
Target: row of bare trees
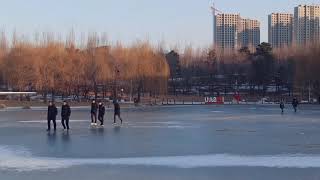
{"points": [[69, 68], [289, 70], [307, 69], [91, 67]]}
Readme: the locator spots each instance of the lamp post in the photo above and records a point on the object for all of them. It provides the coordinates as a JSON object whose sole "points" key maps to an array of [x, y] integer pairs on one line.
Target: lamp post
{"points": [[309, 91], [116, 73], [122, 93]]}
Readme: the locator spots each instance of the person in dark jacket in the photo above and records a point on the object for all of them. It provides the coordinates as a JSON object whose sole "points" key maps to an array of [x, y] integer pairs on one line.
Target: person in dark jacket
{"points": [[282, 106], [295, 104], [102, 111], [52, 115], [65, 115], [94, 111], [116, 112]]}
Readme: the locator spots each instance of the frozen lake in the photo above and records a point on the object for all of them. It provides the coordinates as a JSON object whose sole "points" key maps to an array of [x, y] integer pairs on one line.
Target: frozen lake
{"points": [[176, 142]]}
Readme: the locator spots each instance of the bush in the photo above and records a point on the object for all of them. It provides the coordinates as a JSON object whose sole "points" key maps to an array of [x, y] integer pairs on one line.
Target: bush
{"points": [[26, 107], [2, 106]]}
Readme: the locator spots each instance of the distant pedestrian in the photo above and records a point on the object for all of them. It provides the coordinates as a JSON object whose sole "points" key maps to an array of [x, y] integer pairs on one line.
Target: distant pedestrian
{"points": [[282, 106], [102, 111], [65, 115], [116, 111], [295, 104], [52, 115], [94, 111]]}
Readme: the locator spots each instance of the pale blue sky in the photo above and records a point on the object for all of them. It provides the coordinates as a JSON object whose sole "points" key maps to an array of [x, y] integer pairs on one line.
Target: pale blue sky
{"points": [[174, 21]]}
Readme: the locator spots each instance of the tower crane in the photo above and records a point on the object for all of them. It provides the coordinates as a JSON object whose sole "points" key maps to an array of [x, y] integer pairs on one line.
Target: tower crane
{"points": [[214, 9], [214, 12]]}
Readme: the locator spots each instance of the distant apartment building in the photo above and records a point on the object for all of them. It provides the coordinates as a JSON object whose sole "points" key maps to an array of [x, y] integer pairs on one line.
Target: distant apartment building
{"points": [[280, 30], [226, 28], [232, 32], [173, 60], [249, 34], [306, 24]]}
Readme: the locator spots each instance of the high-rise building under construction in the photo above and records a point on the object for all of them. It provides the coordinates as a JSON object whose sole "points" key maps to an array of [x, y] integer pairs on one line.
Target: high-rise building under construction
{"points": [[231, 32]]}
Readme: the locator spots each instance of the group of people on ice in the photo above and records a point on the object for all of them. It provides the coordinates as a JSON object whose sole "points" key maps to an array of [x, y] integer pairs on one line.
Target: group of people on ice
{"points": [[97, 112], [294, 103]]}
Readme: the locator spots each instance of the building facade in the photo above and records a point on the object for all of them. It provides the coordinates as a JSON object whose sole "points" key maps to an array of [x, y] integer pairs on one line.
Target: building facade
{"points": [[280, 30], [306, 24], [249, 33], [226, 28], [232, 32]]}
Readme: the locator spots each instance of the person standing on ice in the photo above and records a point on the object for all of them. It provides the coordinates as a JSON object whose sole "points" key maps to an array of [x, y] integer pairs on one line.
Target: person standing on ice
{"points": [[116, 111], [65, 115], [282, 106], [102, 111], [94, 111], [295, 104], [52, 116]]}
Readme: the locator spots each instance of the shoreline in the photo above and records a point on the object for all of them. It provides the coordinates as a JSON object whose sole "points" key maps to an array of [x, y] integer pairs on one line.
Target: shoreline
{"points": [[132, 106]]}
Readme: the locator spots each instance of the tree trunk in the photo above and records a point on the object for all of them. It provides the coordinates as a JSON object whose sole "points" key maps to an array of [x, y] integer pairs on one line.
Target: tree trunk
{"points": [[45, 95], [52, 95], [139, 91], [95, 89]]}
